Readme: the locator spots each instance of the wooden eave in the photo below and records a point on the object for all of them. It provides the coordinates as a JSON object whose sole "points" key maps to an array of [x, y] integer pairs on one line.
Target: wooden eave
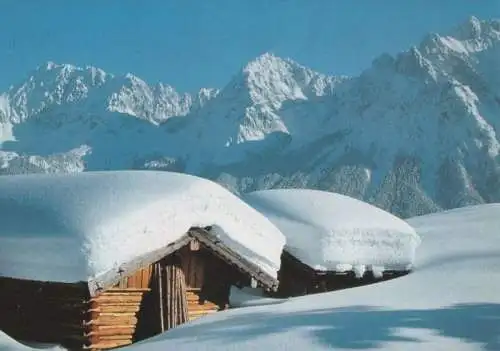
{"points": [[227, 254], [207, 239], [112, 277]]}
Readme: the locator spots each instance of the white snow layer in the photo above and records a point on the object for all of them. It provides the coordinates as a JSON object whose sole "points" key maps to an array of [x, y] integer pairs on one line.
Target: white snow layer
{"points": [[246, 297], [329, 231], [450, 301], [76, 227]]}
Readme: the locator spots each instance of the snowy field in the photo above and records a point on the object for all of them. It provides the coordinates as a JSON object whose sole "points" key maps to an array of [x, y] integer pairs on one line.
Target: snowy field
{"points": [[450, 302]]}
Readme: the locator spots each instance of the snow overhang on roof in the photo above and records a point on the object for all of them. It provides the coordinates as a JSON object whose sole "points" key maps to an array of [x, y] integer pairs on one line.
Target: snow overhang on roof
{"points": [[333, 232], [81, 227], [208, 240]]}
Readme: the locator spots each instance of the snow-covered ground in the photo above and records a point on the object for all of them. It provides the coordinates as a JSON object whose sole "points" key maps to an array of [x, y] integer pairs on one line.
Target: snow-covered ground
{"points": [[450, 302], [334, 232], [79, 227], [9, 344]]}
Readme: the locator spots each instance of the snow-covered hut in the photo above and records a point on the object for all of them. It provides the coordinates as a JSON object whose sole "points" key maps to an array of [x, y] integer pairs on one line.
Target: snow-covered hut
{"points": [[334, 241], [103, 259]]}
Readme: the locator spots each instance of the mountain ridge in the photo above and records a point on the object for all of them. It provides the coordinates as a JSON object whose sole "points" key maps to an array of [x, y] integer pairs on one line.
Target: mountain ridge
{"points": [[414, 133]]}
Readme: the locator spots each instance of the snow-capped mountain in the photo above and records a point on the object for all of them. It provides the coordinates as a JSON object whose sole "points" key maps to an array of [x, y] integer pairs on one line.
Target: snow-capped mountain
{"points": [[90, 88], [412, 134]]}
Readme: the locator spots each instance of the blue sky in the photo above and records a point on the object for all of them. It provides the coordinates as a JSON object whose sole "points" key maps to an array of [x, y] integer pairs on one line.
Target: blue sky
{"points": [[191, 44]]}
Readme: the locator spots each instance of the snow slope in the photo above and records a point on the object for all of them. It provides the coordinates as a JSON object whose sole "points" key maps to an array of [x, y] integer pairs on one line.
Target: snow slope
{"points": [[450, 302], [414, 133], [329, 231], [66, 227]]}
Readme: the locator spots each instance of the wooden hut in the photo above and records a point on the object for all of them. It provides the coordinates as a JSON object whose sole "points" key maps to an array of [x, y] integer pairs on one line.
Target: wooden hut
{"points": [[98, 260], [187, 279], [297, 278]]}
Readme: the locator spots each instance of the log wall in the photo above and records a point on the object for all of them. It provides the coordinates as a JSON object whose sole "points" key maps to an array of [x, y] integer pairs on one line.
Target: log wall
{"points": [[113, 314], [113, 317], [44, 312], [197, 306]]}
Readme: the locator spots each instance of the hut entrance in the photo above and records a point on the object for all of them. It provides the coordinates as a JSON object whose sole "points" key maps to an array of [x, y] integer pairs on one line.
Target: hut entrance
{"points": [[207, 280], [186, 285]]}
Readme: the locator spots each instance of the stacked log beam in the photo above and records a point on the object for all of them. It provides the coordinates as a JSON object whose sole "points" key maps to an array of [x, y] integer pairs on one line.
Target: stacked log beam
{"points": [[112, 318], [197, 307]]}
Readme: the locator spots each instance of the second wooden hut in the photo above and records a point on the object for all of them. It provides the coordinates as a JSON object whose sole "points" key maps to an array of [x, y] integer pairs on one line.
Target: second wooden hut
{"points": [[334, 241]]}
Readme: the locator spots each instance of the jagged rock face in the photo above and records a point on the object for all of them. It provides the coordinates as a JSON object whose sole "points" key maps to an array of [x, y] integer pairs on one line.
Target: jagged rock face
{"points": [[413, 134]]}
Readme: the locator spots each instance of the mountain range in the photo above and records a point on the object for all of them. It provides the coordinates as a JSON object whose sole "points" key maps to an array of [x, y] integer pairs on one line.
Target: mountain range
{"points": [[414, 133]]}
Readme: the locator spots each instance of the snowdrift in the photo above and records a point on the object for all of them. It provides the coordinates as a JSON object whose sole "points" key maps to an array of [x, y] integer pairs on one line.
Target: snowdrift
{"points": [[76, 227], [329, 231]]}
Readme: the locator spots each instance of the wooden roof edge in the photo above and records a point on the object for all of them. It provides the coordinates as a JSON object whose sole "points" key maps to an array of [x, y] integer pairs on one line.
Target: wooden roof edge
{"points": [[244, 265], [112, 277]]}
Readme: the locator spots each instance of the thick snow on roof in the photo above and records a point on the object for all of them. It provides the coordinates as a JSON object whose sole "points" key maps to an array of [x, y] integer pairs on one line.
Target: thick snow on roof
{"points": [[76, 227], [449, 302], [329, 231]]}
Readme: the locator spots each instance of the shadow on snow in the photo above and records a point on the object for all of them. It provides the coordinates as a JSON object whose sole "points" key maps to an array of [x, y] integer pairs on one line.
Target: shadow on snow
{"points": [[356, 327]]}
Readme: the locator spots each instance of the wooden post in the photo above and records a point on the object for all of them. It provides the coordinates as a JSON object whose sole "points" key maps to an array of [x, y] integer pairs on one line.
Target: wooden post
{"points": [[183, 297], [160, 293], [167, 297], [175, 295]]}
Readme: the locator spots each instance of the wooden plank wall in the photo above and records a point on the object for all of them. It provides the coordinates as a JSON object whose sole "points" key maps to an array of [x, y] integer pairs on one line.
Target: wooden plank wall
{"points": [[140, 279], [192, 260], [43, 312], [207, 281]]}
